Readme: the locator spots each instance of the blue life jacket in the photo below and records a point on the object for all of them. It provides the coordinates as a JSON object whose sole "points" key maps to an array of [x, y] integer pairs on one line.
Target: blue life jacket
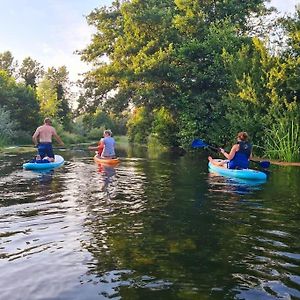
{"points": [[241, 157]]}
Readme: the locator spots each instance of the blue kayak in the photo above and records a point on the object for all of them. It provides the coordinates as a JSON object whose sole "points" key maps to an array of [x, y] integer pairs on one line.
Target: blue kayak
{"points": [[248, 174], [59, 161]]}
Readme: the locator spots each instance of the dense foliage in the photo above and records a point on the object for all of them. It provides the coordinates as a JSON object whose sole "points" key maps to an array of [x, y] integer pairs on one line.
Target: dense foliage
{"points": [[28, 94], [173, 70], [186, 69], [21, 107]]}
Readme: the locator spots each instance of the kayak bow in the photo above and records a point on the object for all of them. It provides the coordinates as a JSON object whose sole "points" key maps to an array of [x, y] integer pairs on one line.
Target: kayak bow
{"points": [[249, 174], [108, 161], [59, 160]]}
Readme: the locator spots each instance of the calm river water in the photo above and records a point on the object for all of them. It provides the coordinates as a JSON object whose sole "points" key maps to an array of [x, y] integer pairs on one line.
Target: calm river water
{"points": [[153, 227]]}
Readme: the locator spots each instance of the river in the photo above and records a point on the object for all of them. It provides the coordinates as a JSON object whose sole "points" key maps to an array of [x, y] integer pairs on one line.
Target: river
{"points": [[156, 226]]}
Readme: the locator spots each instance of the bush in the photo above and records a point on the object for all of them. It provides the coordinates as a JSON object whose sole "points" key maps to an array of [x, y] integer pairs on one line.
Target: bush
{"points": [[96, 133], [283, 139], [71, 138], [4, 141], [139, 125], [6, 127], [78, 127], [164, 127], [22, 137]]}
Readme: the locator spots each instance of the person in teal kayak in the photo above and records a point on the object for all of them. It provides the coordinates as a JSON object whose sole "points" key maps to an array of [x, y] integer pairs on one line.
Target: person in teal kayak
{"points": [[106, 146], [42, 139], [239, 155]]}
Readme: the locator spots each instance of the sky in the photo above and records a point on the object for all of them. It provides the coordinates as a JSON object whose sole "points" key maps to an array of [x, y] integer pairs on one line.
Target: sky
{"points": [[49, 31]]}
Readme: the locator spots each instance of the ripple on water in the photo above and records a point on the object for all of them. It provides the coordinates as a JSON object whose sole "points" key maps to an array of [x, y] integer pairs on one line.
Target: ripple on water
{"points": [[147, 227]]}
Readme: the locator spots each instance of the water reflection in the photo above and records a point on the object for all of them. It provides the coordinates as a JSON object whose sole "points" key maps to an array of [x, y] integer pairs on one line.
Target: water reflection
{"points": [[45, 177], [108, 176], [237, 186], [160, 228]]}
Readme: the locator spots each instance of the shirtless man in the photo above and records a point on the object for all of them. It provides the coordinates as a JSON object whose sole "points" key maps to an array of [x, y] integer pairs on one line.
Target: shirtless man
{"points": [[42, 138]]}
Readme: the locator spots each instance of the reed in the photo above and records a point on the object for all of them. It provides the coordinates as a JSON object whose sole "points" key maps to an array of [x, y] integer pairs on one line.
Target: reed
{"points": [[4, 141], [283, 141]]}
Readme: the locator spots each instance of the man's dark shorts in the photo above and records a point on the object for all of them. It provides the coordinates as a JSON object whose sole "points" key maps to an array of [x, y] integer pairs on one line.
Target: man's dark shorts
{"points": [[45, 149]]}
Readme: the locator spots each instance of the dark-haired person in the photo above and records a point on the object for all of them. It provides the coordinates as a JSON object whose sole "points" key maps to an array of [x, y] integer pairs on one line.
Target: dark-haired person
{"points": [[239, 155], [42, 138]]}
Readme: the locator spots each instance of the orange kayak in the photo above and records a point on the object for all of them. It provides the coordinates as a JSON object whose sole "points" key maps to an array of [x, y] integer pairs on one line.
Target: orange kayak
{"points": [[109, 161]]}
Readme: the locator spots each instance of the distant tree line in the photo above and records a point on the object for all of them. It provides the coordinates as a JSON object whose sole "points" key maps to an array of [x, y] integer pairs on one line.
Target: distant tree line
{"points": [[29, 93]]}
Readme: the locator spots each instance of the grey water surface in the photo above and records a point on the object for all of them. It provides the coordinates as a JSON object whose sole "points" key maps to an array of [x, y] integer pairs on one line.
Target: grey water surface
{"points": [[156, 226]]}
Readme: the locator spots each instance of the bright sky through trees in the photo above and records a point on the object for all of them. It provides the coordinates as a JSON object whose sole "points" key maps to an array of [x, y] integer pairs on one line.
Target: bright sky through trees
{"points": [[49, 31]]}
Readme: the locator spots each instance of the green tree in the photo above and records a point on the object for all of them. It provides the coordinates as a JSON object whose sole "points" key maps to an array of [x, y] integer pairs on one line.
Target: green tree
{"points": [[167, 54], [30, 71], [291, 26], [59, 79], [7, 127], [7, 62], [47, 96], [19, 101], [136, 38], [139, 125], [164, 127]]}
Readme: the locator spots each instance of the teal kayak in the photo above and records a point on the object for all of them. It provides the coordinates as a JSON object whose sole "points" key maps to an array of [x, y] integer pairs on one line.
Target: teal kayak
{"points": [[59, 160], [248, 174]]}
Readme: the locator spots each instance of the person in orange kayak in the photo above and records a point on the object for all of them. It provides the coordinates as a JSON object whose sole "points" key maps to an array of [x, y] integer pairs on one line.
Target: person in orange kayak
{"points": [[239, 155], [106, 146]]}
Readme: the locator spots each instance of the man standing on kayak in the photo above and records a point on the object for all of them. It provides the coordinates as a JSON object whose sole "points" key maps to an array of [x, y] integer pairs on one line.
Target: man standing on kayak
{"points": [[42, 138]]}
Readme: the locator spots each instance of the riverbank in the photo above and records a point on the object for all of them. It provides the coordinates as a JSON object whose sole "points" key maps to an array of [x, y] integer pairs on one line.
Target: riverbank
{"points": [[285, 164], [121, 140]]}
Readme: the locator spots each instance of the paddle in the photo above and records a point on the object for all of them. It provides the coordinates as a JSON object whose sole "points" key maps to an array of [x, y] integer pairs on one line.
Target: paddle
{"points": [[197, 143]]}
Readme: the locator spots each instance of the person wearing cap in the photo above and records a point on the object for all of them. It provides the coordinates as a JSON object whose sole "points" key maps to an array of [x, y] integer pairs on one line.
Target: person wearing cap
{"points": [[106, 146], [42, 138]]}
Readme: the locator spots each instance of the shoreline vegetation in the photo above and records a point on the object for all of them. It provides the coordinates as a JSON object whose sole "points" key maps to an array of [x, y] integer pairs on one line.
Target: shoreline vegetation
{"points": [[122, 140], [204, 71]]}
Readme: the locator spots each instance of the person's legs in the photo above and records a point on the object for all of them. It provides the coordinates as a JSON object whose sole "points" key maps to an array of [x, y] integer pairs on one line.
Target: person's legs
{"points": [[222, 163], [49, 152], [41, 151]]}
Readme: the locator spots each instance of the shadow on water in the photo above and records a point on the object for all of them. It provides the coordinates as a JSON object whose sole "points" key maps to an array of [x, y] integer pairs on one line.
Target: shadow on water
{"points": [[156, 226]]}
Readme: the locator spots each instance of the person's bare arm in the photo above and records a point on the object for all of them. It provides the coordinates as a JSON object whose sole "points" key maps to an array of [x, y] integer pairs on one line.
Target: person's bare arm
{"points": [[93, 148], [232, 152], [35, 137], [58, 139]]}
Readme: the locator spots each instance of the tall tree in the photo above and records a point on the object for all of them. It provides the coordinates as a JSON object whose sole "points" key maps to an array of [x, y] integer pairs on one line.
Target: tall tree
{"points": [[8, 63], [59, 79], [291, 26], [20, 101], [30, 71], [47, 96], [137, 38], [166, 54]]}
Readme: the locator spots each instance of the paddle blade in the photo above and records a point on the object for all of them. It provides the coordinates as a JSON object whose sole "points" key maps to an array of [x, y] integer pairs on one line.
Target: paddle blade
{"points": [[198, 144], [264, 164]]}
